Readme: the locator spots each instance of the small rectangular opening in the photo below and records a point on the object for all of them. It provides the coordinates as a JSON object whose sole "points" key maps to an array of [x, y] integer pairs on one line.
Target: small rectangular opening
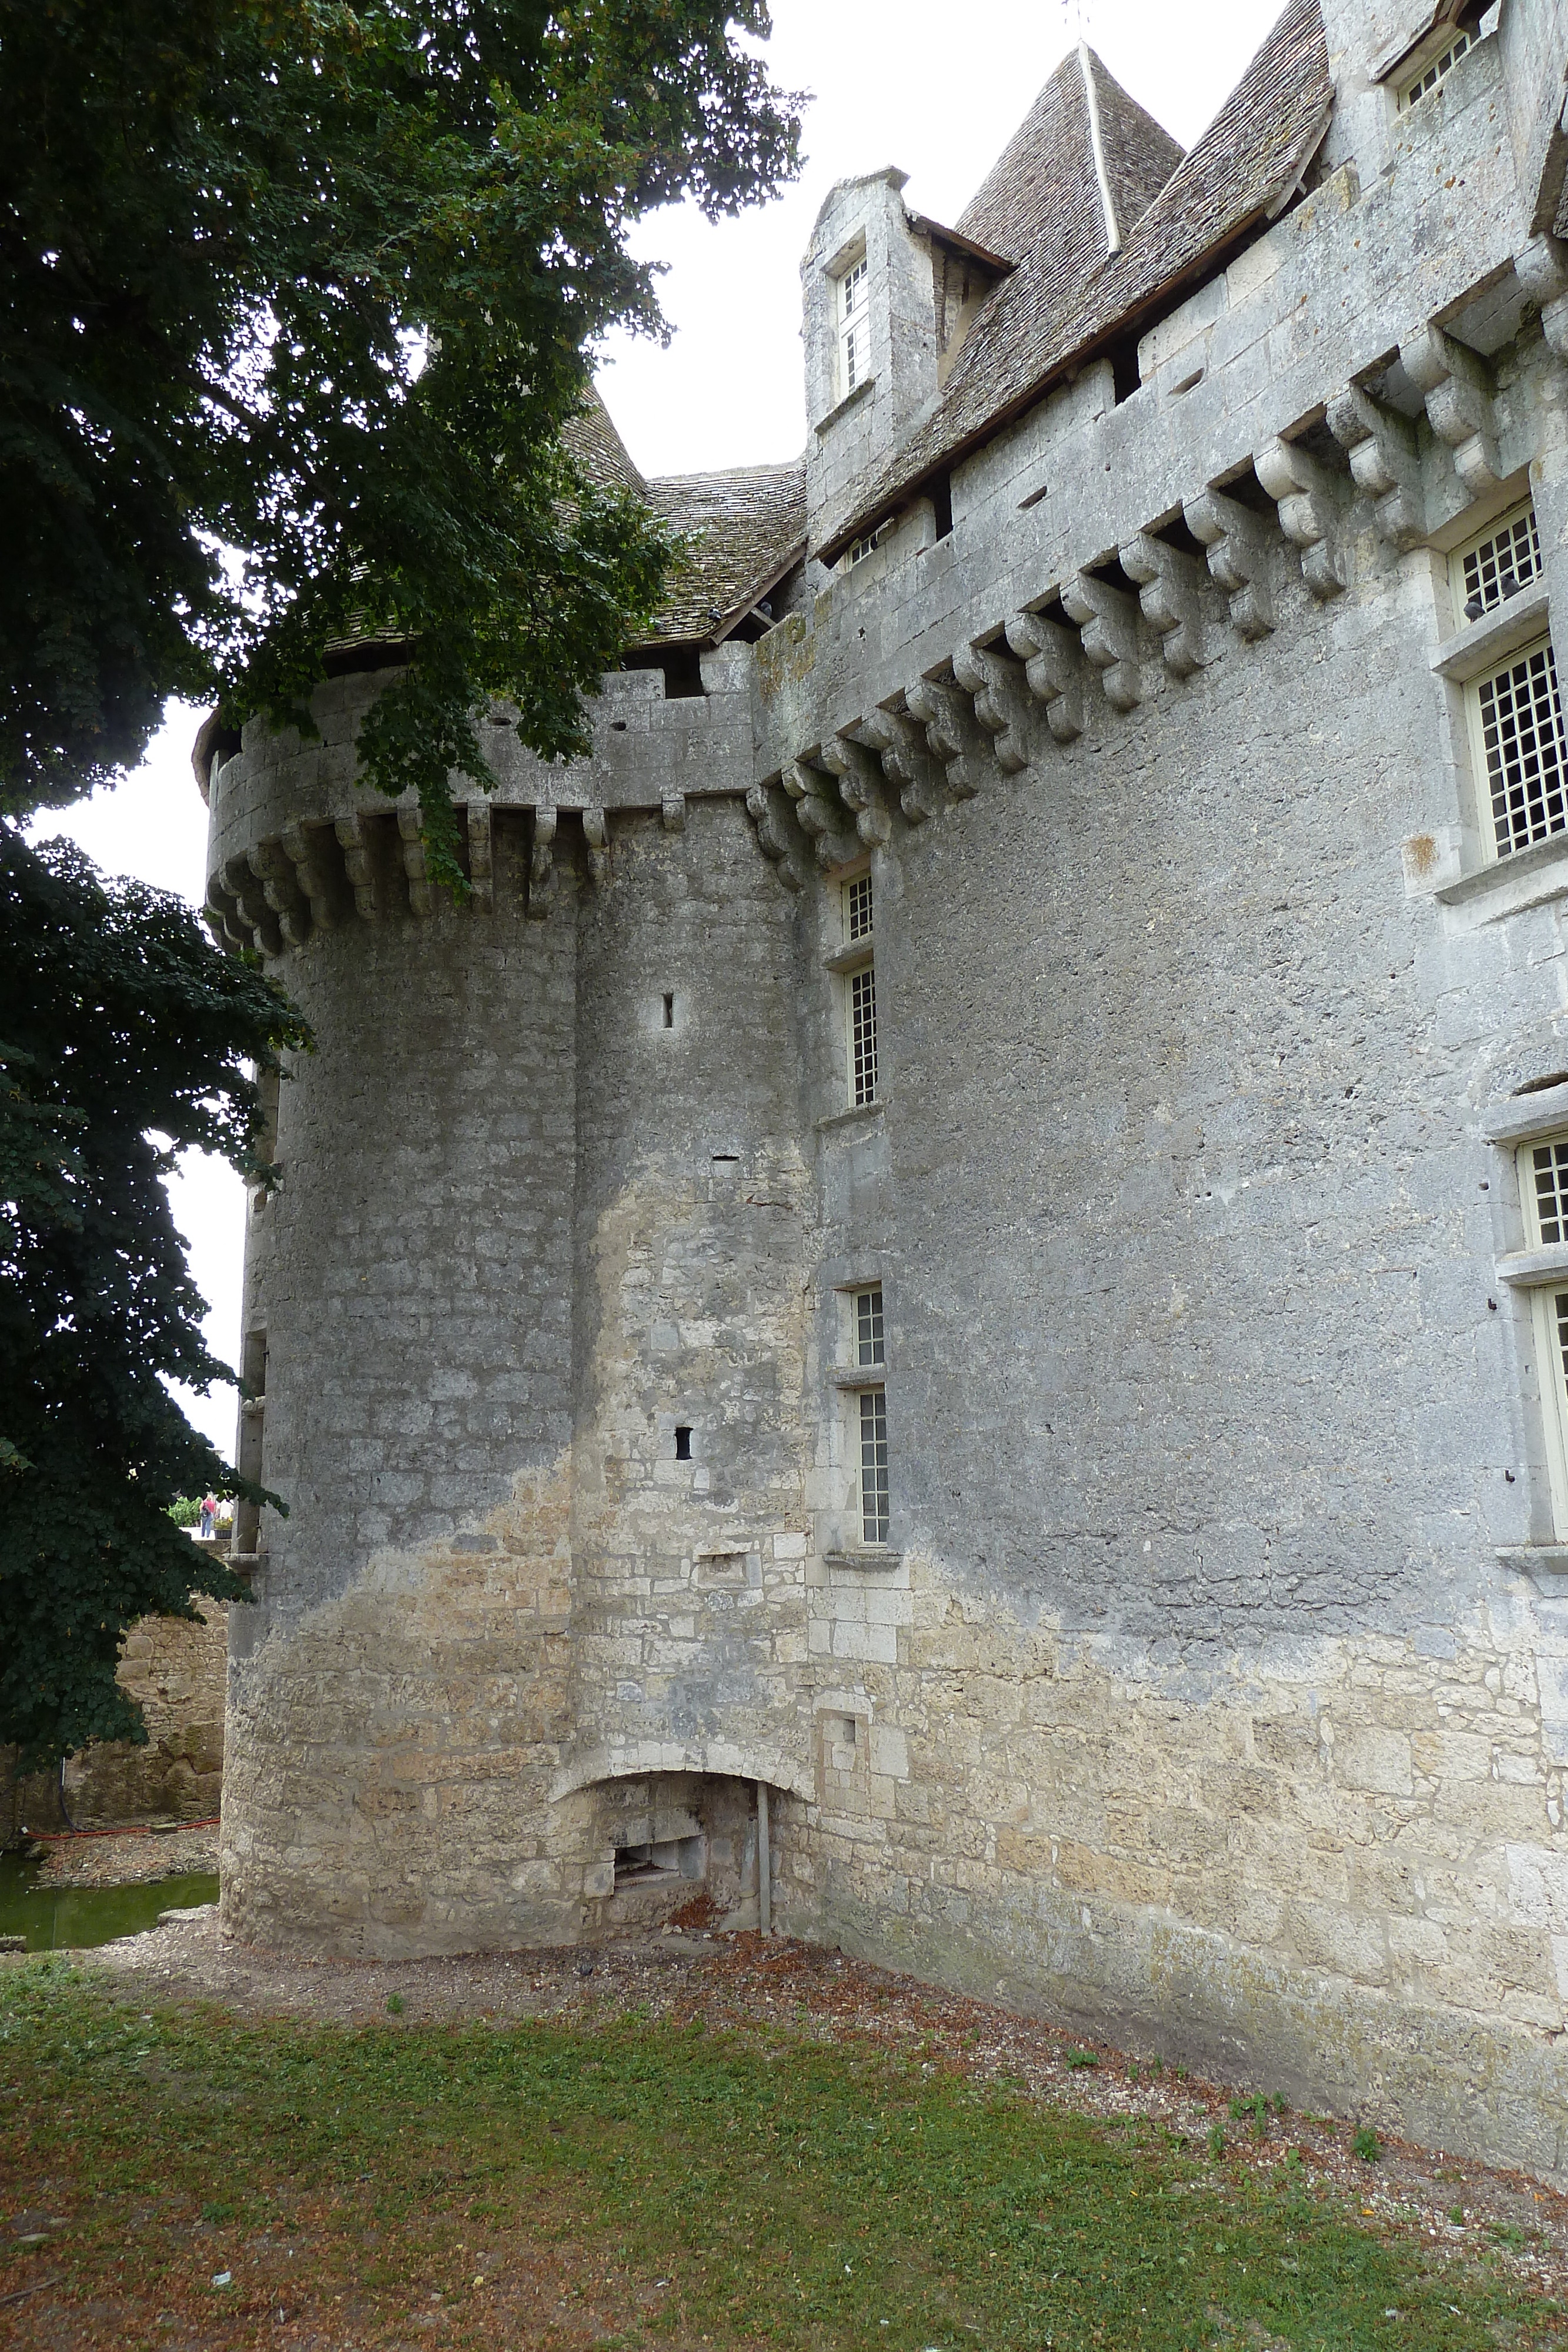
{"points": [[1125, 380], [682, 1444], [669, 1010], [942, 504], [656, 1858]]}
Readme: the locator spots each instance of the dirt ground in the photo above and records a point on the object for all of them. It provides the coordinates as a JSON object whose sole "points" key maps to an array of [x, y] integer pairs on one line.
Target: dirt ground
{"points": [[127, 1857], [741, 1980]]}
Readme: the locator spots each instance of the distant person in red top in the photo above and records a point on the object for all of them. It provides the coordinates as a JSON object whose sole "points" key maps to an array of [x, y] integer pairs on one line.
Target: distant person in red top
{"points": [[209, 1513]]}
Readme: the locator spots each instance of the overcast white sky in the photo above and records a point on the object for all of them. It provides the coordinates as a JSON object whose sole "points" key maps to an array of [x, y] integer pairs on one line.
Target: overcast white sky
{"points": [[935, 89]]}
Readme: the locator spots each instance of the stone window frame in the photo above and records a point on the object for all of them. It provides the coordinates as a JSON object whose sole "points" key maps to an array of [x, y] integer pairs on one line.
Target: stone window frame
{"points": [[1545, 1285], [1477, 567], [856, 1377], [1534, 1273], [851, 959], [1469, 655]]}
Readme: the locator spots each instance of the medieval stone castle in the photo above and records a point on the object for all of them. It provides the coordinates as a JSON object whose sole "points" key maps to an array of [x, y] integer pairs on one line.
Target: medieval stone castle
{"points": [[939, 1316]]}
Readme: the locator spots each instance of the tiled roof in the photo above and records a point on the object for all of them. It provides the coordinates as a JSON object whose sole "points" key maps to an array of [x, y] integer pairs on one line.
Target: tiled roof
{"points": [[1040, 205], [599, 450], [746, 526]]}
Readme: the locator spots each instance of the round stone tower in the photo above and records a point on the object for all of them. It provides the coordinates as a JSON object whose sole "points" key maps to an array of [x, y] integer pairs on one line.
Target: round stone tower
{"points": [[524, 1315]]}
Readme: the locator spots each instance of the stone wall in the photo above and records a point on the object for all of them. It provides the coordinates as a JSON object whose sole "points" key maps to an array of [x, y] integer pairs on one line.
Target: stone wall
{"points": [[178, 1672], [1213, 1684], [399, 1685]]}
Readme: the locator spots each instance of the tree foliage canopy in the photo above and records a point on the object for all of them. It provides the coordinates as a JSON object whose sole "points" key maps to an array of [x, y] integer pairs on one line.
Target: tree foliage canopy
{"points": [[298, 298], [126, 1038]]}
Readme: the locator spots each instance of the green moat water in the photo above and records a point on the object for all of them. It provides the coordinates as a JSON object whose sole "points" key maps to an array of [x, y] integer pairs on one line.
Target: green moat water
{"points": [[54, 1918]]}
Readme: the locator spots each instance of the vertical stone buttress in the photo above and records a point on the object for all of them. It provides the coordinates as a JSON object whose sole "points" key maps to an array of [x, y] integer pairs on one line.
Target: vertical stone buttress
{"points": [[692, 1211]]}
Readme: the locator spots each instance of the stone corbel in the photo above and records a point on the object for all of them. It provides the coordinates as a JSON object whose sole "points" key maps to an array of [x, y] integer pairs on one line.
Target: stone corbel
{"points": [[1542, 269], [1385, 461], [673, 811], [1168, 593], [1002, 704], [906, 763], [414, 866], [1053, 665], [1308, 500], [541, 864], [775, 842], [596, 838], [1107, 623], [1460, 395], [859, 772], [358, 865], [274, 871], [222, 917], [1238, 546], [315, 880], [816, 815], [245, 888], [951, 734]]}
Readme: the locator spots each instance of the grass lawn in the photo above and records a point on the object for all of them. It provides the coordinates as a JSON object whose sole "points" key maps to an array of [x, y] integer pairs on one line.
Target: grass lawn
{"points": [[624, 2182]]}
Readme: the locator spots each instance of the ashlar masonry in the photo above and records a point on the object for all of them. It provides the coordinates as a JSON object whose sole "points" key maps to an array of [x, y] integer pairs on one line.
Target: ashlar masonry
{"points": [[939, 1313]]}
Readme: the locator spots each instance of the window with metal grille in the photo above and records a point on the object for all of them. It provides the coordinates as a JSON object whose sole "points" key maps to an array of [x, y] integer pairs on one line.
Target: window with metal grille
{"points": [[863, 1034], [857, 908], [874, 1515], [868, 1326], [855, 328], [1491, 570], [1433, 74], [1550, 1170], [1518, 725]]}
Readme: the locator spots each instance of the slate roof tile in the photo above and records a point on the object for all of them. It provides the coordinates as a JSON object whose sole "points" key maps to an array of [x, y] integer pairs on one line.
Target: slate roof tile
{"points": [[747, 526], [1040, 207]]}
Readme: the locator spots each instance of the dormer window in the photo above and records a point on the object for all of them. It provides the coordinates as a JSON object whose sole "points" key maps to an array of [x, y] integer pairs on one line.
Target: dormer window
{"points": [[853, 299]]}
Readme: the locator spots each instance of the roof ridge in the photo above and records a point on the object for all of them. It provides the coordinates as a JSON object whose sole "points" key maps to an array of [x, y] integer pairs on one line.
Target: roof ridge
{"points": [[1139, 154], [1086, 64], [728, 473], [1058, 110]]}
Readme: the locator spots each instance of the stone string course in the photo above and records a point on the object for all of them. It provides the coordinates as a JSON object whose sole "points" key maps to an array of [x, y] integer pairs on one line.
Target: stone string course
{"points": [[1207, 1687]]}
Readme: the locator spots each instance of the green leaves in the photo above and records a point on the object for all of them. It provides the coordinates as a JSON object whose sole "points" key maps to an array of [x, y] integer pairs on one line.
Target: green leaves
{"points": [[316, 286], [129, 1039]]}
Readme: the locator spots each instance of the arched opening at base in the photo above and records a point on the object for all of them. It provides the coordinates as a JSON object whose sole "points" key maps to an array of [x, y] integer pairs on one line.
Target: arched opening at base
{"points": [[676, 1850]]}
